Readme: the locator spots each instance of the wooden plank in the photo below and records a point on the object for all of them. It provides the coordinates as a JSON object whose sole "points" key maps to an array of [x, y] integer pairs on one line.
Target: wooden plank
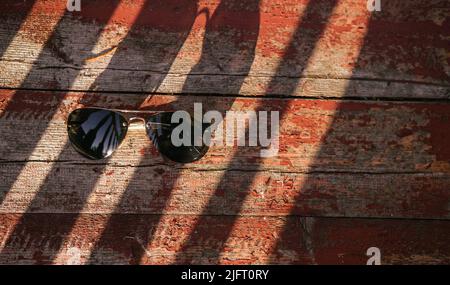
{"points": [[167, 47], [353, 158], [337, 159], [74, 188], [149, 239], [352, 136]]}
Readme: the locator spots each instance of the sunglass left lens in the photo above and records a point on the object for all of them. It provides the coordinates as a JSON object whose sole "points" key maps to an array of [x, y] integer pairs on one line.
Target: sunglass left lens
{"points": [[96, 133]]}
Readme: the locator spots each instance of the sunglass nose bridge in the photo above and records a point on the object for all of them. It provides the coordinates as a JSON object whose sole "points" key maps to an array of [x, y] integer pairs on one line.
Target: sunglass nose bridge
{"points": [[134, 122], [136, 119]]}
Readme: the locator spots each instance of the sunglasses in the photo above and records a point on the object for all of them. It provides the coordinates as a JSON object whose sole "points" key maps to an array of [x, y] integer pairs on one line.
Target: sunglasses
{"points": [[96, 133]]}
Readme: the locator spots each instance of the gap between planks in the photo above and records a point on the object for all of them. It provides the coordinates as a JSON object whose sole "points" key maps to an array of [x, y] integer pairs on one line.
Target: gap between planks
{"points": [[259, 96]]}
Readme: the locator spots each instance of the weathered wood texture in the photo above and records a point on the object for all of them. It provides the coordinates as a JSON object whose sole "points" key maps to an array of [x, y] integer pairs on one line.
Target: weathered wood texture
{"points": [[150, 239], [229, 47], [354, 159], [338, 160]]}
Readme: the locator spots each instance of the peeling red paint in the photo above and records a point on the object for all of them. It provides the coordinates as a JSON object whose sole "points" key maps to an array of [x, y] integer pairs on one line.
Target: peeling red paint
{"points": [[344, 159]]}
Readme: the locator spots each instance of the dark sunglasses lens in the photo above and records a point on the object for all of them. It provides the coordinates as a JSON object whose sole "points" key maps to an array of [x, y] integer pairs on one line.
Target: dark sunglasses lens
{"points": [[96, 133], [160, 129]]}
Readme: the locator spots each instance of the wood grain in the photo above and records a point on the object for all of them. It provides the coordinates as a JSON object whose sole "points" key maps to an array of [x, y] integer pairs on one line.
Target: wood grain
{"points": [[364, 137], [171, 47], [349, 174], [311, 240], [355, 159], [161, 189]]}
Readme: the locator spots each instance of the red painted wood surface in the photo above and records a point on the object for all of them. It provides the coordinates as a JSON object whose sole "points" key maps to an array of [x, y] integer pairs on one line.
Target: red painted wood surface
{"points": [[353, 158], [301, 48], [370, 170], [152, 239]]}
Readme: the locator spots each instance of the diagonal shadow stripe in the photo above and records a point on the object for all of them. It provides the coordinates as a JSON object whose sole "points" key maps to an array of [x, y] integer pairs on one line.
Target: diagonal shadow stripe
{"points": [[186, 15], [10, 8], [17, 98], [189, 13], [222, 50], [371, 44], [305, 241], [50, 45], [319, 12]]}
